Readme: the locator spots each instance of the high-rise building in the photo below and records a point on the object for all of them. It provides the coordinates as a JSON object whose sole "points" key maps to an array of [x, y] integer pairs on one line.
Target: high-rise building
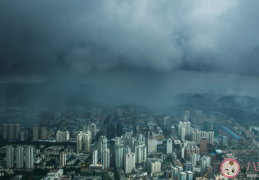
{"points": [[126, 150], [140, 152], [173, 156], [29, 157], [140, 137], [224, 140], [211, 137], [169, 146], [35, 133], [187, 128], [182, 133], [59, 136], [119, 112], [93, 129], [155, 167], [110, 131], [180, 169], [203, 166], [95, 157], [187, 166], [182, 149], [86, 140], [175, 173], [79, 143], [192, 158], [43, 132], [57, 115], [189, 175], [24, 135], [17, 131], [208, 159], [105, 158], [203, 144], [182, 176], [11, 130], [119, 156], [196, 136], [119, 129], [102, 144], [62, 159], [166, 120], [206, 125], [129, 163], [62, 136], [134, 127], [216, 128], [5, 131], [185, 116], [152, 145], [19, 157], [9, 157]]}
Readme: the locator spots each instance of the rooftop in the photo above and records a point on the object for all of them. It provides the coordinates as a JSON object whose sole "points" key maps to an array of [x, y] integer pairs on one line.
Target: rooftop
{"points": [[230, 132]]}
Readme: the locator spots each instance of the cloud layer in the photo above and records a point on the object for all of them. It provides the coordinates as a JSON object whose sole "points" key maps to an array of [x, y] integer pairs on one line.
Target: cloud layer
{"points": [[45, 38]]}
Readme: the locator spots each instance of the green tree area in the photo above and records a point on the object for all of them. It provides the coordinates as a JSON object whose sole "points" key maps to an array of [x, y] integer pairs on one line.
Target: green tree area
{"points": [[66, 169], [51, 162], [41, 171]]}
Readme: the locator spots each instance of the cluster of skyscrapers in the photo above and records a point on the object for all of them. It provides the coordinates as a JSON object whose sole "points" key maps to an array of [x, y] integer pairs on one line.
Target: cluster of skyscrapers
{"points": [[178, 173], [184, 129], [90, 127], [22, 156], [83, 141], [197, 135], [62, 136], [11, 131]]}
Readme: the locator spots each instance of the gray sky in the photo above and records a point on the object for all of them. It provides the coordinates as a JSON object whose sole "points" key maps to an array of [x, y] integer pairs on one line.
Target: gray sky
{"points": [[145, 44]]}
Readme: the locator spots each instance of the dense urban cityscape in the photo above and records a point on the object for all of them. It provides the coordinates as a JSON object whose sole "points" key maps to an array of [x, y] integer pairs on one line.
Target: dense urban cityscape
{"points": [[108, 143], [129, 90]]}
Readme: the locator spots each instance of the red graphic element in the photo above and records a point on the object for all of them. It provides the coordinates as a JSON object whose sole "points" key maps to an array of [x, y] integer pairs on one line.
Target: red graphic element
{"points": [[248, 166], [227, 161], [254, 165]]}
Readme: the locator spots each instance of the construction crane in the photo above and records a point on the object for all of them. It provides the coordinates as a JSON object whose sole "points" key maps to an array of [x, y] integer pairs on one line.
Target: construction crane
{"points": [[206, 174], [83, 165]]}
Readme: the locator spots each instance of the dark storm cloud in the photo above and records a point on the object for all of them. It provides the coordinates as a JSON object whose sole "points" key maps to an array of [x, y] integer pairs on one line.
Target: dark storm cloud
{"points": [[46, 38]]}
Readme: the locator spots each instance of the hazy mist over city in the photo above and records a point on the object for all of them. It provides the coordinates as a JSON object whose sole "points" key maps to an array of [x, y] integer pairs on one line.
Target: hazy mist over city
{"points": [[139, 52], [129, 90]]}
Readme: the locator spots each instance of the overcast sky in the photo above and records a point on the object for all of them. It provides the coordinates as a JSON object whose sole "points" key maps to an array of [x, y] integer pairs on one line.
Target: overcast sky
{"points": [[177, 45]]}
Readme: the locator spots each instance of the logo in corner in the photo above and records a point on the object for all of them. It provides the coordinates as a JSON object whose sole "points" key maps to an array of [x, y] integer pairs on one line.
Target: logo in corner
{"points": [[230, 168]]}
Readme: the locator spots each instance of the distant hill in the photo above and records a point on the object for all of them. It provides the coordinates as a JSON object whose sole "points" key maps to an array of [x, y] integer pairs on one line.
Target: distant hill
{"points": [[197, 96], [227, 98]]}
